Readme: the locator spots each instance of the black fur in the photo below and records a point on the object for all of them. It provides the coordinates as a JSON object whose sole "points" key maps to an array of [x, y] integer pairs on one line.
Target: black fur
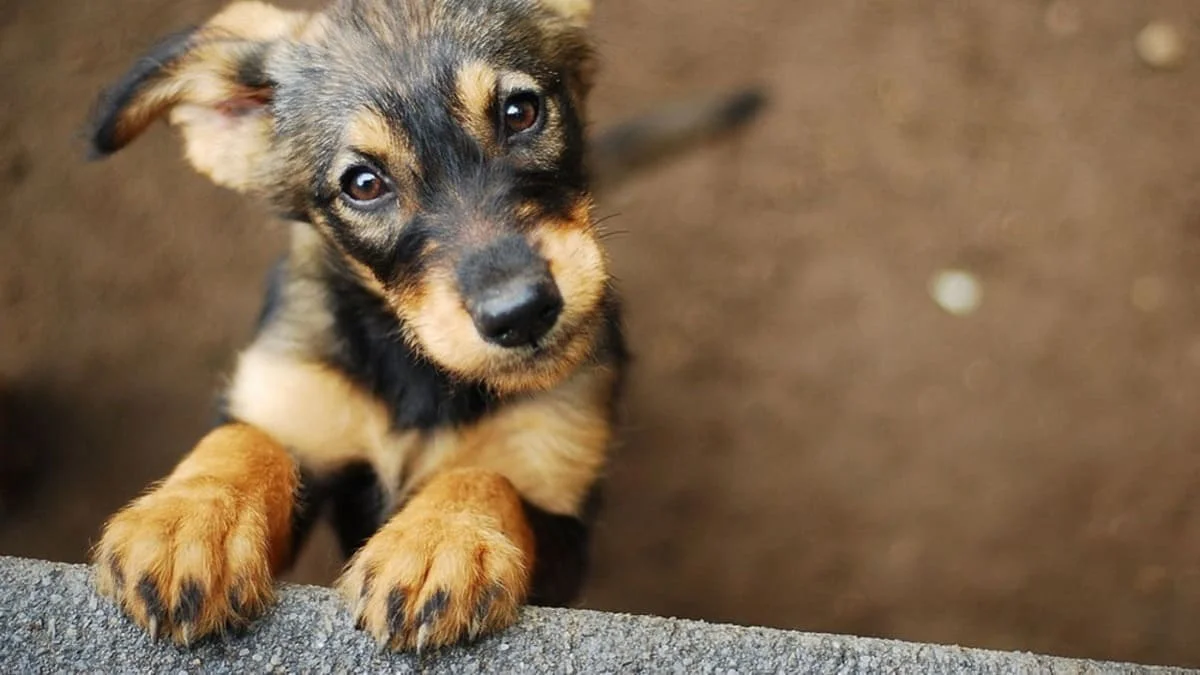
{"points": [[354, 499], [358, 506], [311, 496], [103, 132], [505, 259], [370, 349], [563, 552]]}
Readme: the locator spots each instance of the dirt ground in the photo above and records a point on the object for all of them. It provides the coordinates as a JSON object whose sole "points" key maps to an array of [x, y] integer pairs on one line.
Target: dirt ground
{"points": [[812, 443]]}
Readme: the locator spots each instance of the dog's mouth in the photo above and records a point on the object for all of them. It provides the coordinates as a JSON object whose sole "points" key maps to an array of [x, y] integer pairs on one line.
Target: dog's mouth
{"points": [[549, 347], [541, 364]]}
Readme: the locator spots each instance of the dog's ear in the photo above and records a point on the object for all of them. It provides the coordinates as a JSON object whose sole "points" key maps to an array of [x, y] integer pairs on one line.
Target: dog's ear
{"points": [[211, 83], [577, 12]]}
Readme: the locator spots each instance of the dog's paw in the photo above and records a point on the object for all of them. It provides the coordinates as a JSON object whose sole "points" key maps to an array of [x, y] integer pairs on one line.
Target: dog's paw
{"points": [[429, 580], [188, 560]]}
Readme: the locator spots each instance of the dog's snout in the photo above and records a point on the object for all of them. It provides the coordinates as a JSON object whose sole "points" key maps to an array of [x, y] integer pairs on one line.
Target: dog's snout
{"points": [[510, 293], [519, 312]]}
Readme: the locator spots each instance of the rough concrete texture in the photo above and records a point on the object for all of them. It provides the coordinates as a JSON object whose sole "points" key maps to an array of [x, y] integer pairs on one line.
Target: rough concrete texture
{"points": [[52, 621]]}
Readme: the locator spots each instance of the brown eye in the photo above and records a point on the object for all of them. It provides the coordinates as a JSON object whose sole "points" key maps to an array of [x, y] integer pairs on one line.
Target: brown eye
{"points": [[521, 112], [362, 185]]}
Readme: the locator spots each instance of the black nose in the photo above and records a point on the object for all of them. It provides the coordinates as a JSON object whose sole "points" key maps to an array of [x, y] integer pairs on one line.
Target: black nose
{"points": [[519, 312]]}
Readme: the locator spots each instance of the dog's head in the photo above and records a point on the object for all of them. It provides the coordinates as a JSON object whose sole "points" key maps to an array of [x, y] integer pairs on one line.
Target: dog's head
{"points": [[437, 145]]}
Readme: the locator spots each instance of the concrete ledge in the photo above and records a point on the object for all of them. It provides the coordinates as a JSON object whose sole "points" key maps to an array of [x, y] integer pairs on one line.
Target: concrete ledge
{"points": [[52, 622]]}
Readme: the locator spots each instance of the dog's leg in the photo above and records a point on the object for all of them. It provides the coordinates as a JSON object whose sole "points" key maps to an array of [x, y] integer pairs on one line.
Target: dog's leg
{"points": [[199, 552], [455, 563]]}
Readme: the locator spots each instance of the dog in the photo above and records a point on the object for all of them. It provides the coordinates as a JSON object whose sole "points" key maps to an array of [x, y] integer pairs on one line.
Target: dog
{"points": [[439, 357]]}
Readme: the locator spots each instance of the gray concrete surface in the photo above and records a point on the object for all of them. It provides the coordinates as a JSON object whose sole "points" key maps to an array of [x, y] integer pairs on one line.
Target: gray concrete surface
{"points": [[52, 622]]}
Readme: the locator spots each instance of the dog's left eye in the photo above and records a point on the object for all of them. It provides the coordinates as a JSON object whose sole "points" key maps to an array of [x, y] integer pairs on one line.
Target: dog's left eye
{"points": [[521, 112], [363, 186]]}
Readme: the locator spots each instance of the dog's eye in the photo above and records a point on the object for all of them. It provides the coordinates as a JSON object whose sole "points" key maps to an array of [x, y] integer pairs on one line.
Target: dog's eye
{"points": [[363, 186], [521, 112]]}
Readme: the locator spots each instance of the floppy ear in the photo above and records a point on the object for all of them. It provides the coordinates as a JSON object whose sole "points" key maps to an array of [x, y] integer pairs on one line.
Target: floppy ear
{"points": [[211, 83], [577, 12]]}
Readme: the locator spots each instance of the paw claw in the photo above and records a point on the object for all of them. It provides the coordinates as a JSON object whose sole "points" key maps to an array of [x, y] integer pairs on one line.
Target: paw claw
{"points": [[482, 608], [191, 602], [186, 635], [155, 610], [436, 581], [156, 558], [422, 637]]}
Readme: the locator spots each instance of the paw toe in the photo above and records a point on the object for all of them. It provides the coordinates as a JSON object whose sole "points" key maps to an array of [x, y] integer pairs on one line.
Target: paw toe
{"points": [[397, 617], [188, 607]]}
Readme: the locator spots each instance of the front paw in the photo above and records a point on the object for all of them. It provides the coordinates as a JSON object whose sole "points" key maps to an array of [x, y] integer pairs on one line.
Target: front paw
{"points": [[431, 580], [187, 560]]}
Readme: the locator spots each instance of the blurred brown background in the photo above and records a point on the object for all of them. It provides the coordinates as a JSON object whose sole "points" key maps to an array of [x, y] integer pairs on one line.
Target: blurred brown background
{"points": [[813, 443]]}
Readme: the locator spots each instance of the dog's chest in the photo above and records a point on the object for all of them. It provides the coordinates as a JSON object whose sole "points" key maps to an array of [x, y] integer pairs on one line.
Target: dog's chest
{"points": [[550, 446], [330, 423]]}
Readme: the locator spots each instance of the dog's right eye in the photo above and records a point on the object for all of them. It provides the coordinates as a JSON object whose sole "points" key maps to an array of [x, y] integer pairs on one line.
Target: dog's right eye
{"points": [[363, 186]]}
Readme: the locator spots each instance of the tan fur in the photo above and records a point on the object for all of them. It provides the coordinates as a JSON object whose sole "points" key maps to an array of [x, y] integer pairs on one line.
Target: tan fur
{"points": [[216, 530], [231, 154], [323, 417], [442, 328], [577, 263], [552, 446], [476, 83], [464, 536], [515, 81], [252, 20], [197, 93], [577, 12], [369, 132]]}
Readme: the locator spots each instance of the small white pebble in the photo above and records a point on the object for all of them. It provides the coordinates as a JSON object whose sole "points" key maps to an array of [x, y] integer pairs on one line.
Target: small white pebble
{"points": [[956, 291], [504, 646], [1160, 45]]}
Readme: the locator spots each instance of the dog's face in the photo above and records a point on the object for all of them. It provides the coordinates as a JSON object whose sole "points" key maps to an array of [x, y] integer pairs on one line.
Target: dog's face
{"points": [[436, 144]]}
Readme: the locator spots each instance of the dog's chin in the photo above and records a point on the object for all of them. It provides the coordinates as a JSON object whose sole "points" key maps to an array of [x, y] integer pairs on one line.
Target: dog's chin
{"points": [[516, 370], [540, 366]]}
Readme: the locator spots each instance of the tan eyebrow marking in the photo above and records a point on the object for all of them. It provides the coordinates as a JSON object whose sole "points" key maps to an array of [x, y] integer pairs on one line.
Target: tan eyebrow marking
{"points": [[476, 84]]}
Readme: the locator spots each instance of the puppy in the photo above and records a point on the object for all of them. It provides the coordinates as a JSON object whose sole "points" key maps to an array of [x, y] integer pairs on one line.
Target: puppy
{"points": [[439, 357]]}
